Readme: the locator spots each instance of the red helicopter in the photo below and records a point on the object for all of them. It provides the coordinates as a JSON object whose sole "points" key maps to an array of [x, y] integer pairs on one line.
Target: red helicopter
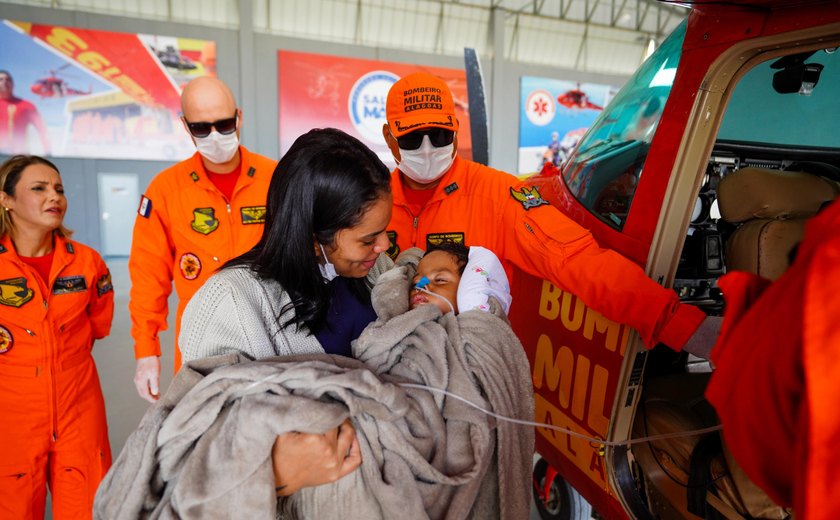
{"points": [[577, 98], [53, 86]]}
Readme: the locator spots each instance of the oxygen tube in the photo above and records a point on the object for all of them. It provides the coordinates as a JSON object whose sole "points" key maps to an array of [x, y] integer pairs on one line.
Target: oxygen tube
{"points": [[421, 286]]}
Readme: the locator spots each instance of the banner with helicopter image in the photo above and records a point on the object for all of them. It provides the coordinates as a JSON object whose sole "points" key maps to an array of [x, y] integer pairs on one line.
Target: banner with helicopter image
{"points": [[70, 92], [553, 116]]}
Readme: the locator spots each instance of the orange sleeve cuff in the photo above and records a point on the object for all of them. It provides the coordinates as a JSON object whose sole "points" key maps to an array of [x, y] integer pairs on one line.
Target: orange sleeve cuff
{"points": [[682, 325], [146, 347]]}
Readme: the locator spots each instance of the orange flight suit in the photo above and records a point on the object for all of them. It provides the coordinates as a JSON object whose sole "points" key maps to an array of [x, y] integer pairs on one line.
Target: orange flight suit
{"points": [[480, 206], [51, 406], [776, 385], [186, 230]]}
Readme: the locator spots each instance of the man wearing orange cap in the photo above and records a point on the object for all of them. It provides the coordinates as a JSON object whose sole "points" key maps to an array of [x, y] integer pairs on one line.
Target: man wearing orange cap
{"points": [[440, 196]]}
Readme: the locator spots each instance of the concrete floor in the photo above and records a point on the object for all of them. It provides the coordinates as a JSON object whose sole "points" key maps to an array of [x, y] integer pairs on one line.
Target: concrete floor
{"points": [[114, 357]]}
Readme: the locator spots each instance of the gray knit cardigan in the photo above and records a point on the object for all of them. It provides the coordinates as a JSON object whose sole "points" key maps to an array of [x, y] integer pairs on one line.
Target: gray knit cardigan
{"points": [[236, 311]]}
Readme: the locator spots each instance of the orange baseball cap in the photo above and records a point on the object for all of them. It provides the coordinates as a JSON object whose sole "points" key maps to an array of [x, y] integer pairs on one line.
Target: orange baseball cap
{"points": [[420, 100]]}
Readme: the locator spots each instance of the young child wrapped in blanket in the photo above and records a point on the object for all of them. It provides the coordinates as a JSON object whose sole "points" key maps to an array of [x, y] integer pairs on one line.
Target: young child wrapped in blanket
{"points": [[205, 450]]}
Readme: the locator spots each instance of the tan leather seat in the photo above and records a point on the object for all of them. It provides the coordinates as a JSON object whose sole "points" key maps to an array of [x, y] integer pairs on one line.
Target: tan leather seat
{"points": [[771, 208]]}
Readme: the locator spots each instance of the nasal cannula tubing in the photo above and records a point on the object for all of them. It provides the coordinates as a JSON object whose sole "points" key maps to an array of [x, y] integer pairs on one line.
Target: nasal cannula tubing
{"points": [[595, 440], [421, 286], [650, 438]]}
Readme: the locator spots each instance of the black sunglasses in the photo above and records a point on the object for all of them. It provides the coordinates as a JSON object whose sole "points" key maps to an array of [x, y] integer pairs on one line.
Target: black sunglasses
{"points": [[203, 129], [438, 136]]}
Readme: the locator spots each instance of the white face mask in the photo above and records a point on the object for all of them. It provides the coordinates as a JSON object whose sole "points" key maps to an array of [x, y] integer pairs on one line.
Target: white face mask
{"points": [[217, 148], [328, 269], [427, 163]]}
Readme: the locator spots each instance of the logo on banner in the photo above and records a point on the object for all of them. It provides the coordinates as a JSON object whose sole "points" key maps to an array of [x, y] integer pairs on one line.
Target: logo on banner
{"points": [[367, 103], [539, 108]]}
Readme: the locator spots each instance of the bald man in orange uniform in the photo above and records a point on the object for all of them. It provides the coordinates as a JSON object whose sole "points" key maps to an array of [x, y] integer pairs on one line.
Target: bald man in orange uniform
{"points": [[194, 217], [776, 386]]}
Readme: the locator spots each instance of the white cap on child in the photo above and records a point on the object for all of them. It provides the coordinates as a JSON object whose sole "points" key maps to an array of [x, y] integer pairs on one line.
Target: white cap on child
{"points": [[483, 277]]}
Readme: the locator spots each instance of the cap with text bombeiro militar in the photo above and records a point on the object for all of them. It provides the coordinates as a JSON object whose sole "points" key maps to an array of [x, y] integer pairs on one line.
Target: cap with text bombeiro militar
{"points": [[420, 100]]}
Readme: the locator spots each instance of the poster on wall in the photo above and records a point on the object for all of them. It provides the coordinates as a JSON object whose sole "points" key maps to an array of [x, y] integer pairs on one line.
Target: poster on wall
{"points": [[70, 92], [317, 91], [553, 116]]}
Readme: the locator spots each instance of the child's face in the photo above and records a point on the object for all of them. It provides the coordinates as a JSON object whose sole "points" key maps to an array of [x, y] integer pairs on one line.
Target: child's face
{"points": [[444, 274]]}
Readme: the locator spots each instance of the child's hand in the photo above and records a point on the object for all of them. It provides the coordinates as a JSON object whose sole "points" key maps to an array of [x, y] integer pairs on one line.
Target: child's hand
{"points": [[311, 459]]}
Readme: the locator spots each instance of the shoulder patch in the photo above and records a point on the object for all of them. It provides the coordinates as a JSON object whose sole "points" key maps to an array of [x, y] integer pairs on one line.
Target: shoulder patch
{"points": [[190, 266], [393, 249], [145, 208], [452, 187], [528, 197], [194, 176], [433, 239], [252, 214], [69, 247], [6, 340], [103, 285], [69, 284], [14, 292], [204, 221], [251, 171]]}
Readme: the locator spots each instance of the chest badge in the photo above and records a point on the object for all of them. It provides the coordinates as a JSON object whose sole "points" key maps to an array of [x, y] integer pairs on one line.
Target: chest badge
{"points": [[204, 220], [14, 292], [528, 197], [69, 284], [393, 248], [253, 215], [190, 266], [6, 340]]}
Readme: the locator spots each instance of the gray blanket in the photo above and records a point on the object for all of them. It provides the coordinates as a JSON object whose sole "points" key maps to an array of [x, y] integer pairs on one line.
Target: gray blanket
{"points": [[204, 450]]}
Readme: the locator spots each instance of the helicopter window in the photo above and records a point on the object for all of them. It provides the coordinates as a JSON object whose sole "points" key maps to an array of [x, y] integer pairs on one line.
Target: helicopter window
{"points": [[606, 167]]}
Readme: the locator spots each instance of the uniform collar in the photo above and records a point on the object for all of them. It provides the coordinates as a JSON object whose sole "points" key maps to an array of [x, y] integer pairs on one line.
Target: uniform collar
{"points": [[452, 176], [63, 252], [246, 170]]}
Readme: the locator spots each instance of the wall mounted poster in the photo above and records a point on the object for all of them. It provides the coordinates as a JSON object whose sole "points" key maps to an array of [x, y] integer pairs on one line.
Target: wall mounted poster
{"points": [[317, 91], [553, 116], [73, 92]]}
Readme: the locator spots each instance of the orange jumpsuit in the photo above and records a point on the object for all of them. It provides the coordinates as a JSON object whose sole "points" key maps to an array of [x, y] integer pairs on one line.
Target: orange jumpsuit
{"points": [[777, 377], [51, 407], [185, 230], [481, 206]]}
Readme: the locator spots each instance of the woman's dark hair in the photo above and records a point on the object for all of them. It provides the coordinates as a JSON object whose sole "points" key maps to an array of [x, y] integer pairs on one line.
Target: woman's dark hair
{"points": [[456, 249], [324, 183]]}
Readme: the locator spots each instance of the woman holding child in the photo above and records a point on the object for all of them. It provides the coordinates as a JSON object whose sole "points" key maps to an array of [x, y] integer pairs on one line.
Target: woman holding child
{"points": [[308, 288]]}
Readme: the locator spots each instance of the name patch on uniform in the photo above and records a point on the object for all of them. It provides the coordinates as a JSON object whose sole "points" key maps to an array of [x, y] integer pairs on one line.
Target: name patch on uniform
{"points": [[69, 284], [145, 208], [190, 266], [14, 292], [6, 340], [393, 249], [528, 197], [104, 285], [253, 215], [204, 220], [433, 239]]}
